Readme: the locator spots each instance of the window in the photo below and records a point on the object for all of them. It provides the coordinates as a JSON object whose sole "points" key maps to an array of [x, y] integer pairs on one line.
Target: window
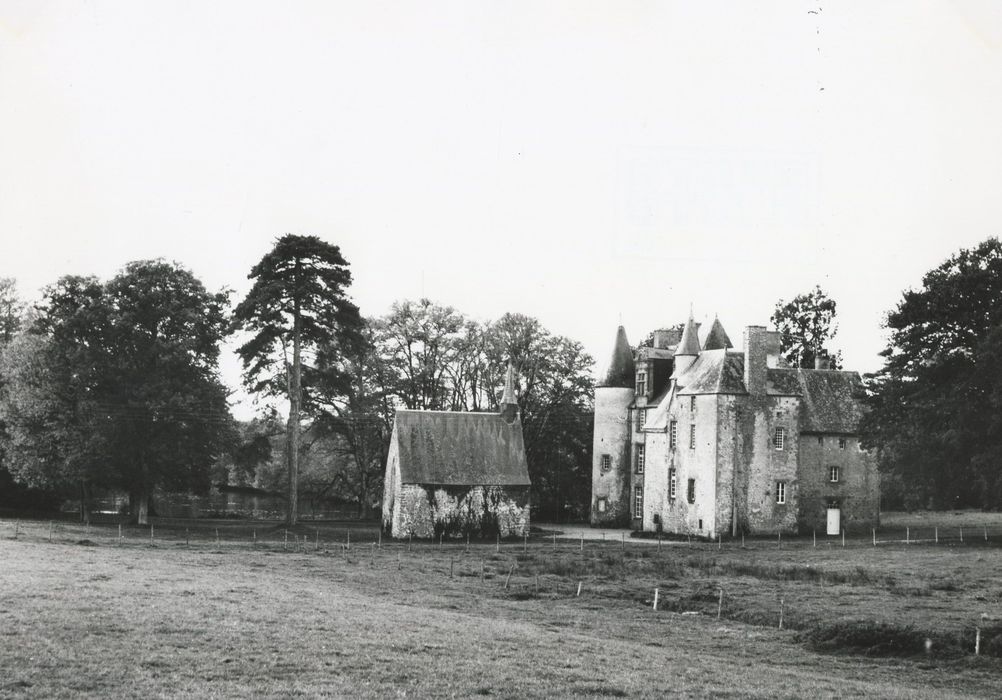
{"points": [[641, 418], [833, 474], [841, 443], [638, 502], [641, 382], [780, 492], [691, 493], [640, 459], [779, 439], [672, 483], [821, 440], [692, 403], [673, 434], [692, 436], [602, 505], [606, 463]]}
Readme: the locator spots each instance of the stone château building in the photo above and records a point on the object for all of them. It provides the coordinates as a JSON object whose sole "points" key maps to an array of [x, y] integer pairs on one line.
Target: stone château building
{"points": [[700, 438], [457, 473]]}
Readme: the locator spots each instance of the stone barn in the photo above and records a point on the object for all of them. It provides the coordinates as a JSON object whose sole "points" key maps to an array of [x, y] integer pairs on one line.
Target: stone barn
{"points": [[457, 473]]}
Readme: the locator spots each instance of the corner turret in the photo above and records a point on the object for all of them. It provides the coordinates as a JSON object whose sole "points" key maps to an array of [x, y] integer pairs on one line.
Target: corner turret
{"points": [[621, 367], [717, 338], [688, 349]]}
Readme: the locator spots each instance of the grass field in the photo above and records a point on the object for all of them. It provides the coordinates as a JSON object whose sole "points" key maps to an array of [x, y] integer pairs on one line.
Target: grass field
{"points": [[88, 614]]}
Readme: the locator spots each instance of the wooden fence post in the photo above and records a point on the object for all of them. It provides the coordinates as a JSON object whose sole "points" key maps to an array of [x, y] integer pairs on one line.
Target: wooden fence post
{"points": [[151, 534], [781, 604], [655, 599], [720, 602], [578, 594]]}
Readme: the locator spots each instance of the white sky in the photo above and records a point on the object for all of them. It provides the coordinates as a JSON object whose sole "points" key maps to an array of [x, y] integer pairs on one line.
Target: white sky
{"points": [[580, 162]]}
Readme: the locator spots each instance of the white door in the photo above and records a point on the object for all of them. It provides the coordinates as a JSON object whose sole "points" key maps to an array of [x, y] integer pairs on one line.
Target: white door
{"points": [[834, 521]]}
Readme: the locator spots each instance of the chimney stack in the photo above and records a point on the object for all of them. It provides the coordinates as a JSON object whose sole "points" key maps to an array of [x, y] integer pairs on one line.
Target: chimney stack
{"points": [[822, 361], [761, 353]]}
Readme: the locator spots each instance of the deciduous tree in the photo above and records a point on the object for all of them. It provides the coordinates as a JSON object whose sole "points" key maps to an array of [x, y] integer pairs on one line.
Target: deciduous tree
{"points": [[936, 402], [117, 384], [806, 326]]}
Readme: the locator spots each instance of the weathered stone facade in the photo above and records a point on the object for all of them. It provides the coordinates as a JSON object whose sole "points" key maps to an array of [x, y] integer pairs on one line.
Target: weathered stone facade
{"points": [[729, 442]]}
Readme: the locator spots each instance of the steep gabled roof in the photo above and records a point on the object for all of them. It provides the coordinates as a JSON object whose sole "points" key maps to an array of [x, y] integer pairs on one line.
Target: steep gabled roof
{"points": [[714, 372], [717, 338], [831, 401], [621, 368], [689, 345], [453, 448]]}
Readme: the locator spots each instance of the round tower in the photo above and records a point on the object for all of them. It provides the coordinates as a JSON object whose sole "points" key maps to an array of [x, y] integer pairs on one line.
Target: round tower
{"points": [[614, 393]]}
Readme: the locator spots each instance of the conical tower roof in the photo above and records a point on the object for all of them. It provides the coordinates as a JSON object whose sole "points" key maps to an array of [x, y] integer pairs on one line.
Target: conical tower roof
{"points": [[621, 367], [509, 387], [717, 338], [689, 345]]}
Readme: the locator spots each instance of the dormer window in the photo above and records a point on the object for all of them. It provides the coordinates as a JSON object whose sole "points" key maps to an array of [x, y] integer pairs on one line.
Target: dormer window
{"points": [[642, 383]]}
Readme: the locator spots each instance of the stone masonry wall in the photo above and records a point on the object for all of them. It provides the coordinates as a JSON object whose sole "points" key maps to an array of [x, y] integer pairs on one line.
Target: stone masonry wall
{"points": [[857, 491], [427, 511], [611, 437]]}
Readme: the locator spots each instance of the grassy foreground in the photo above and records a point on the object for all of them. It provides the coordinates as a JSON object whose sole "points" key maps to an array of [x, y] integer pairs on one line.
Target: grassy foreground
{"points": [[88, 614]]}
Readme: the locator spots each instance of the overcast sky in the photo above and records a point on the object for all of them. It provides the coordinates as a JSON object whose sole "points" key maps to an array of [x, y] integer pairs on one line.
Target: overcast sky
{"points": [[580, 162]]}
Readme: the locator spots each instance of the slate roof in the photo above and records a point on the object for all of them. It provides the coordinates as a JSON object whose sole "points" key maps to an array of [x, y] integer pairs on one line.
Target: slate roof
{"points": [[621, 368], [717, 338], [453, 448], [714, 372], [830, 402], [648, 353], [689, 345]]}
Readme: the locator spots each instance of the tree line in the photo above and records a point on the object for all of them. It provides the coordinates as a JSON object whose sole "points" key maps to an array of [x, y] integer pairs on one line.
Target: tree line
{"points": [[115, 384]]}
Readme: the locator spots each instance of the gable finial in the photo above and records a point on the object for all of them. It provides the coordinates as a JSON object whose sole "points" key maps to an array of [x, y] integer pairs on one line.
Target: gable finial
{"points": [[509, 404]]}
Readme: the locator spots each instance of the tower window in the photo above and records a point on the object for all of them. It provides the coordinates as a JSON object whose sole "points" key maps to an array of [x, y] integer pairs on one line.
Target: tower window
{"points": [[672, 483], [602, 505], [780, 492], [841, 443], [638, 502], [673, 434], [833, 474], [640, 459], [692, 403], [779, 439], [641, 418], [692, 436], [606, 463], [821, 440], [641, 383], [691, 493]]}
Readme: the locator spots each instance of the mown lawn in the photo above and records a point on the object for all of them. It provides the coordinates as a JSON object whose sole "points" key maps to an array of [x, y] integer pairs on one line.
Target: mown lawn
{"points": [[89, 615]]}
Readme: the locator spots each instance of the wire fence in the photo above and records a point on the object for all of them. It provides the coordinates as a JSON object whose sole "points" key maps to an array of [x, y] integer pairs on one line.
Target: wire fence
{"points": [[549, 567]]}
